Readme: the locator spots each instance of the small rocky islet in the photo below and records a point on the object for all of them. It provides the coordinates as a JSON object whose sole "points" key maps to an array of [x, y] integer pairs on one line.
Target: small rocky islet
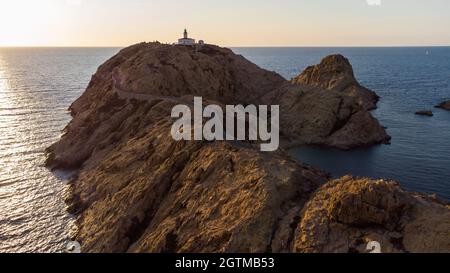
{"points": [[138, 190], [425, 113], [444, 105]]}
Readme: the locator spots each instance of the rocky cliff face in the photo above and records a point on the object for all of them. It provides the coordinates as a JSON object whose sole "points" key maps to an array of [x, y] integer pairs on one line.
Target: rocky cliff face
{"points": [[308, 115], [162, 71], [212, 72], [138, 190], [311, 115], [152, 194], [335, 73], [325, 105]]}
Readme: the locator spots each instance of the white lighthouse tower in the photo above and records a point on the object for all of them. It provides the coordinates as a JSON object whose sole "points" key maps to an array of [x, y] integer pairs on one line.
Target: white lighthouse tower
{"points": [[186, 40]]}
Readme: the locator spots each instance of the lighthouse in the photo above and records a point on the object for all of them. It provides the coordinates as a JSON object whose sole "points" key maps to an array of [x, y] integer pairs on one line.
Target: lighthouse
{"points": [[186, 40]]}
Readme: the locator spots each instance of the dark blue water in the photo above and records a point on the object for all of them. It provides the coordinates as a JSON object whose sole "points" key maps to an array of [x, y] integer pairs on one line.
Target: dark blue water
{"points": [[408, 80]]}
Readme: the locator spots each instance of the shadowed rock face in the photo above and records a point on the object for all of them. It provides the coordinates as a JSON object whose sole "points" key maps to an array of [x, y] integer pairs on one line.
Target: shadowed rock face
{"points": [[138, 190], [445, 105], [335, 73]]}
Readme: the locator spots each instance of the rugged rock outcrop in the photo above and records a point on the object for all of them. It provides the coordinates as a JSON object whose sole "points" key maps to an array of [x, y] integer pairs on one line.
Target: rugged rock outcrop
{"points": [[212, 72], [445, 105], [308, 115], [319, 117], [335, 73], [346, 214], [325, 105], [152, 194], [138, 190]]}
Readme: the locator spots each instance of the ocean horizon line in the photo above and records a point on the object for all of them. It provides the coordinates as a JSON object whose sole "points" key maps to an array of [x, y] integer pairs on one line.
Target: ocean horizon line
{"points": [[249, 46]]}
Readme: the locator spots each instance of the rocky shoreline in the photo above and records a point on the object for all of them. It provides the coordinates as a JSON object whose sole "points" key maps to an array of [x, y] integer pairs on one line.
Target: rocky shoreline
{"points": [[138, 190]]}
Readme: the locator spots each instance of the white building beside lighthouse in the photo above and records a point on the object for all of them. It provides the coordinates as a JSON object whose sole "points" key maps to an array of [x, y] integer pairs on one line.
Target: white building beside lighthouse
{"points": [[186, 40]]}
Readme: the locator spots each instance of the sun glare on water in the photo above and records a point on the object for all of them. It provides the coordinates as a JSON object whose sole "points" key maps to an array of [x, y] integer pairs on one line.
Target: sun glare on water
{"points": [[3, 84]]}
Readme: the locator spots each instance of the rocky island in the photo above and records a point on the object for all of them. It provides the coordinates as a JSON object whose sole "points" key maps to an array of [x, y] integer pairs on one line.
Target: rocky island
{"points": [[138, 190]]}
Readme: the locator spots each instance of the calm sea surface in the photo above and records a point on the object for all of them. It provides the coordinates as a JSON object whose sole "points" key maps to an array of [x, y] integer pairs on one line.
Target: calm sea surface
{"points": [[36, 88], [38, 85]]}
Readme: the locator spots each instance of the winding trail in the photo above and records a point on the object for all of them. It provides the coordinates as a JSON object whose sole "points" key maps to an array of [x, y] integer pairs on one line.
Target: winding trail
{"points": [[129, 95]]}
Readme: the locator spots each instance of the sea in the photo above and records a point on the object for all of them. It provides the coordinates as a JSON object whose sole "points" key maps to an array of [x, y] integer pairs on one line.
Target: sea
{"points": [[37, 85]]}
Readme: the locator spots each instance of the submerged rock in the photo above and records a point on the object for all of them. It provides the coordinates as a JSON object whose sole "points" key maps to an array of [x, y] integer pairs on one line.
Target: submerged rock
{"points": [[445, 105], [425, 113]]}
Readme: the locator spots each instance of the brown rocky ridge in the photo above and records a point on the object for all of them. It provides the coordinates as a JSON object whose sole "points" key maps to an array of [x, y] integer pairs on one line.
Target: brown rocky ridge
{"points": [[445, 105], [138, 190]]}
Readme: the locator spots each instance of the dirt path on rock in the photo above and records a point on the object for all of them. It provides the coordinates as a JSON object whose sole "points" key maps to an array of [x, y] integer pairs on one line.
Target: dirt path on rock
{"points": [[129, 95]]}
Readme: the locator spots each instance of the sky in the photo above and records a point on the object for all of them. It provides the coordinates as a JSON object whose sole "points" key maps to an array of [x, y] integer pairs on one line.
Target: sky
{"points": [[226, 22]]}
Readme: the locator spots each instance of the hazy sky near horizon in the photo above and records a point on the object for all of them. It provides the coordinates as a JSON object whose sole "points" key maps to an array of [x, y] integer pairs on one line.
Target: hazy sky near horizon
{"points": [[227, 22]]}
